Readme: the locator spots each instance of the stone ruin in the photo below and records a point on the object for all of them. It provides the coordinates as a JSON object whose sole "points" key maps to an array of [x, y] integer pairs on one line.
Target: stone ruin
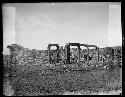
{"points": [[66, 52], [100, 54], [61, 54]]}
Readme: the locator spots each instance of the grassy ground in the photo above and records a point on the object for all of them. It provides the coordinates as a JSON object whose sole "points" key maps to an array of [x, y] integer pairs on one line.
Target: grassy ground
{"points": [[58, 80]]}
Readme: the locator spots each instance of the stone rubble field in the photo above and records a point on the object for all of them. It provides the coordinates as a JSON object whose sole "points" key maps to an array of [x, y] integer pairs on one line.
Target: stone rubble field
{"points": [[31, 78]]}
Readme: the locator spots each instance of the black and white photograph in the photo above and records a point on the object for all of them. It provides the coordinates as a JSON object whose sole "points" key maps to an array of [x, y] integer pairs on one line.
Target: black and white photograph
{"points": [[67, 48]]}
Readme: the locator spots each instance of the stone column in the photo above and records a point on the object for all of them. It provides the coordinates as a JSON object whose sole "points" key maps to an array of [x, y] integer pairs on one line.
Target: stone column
{"points": [[68, 54], [87, 54], [79, 54], [98, 54], [49, 55], [61, 50], [112, 54], [57, 54]]}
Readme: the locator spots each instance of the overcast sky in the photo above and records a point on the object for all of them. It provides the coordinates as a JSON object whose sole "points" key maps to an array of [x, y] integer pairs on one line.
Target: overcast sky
{"points": [[34, 26]]}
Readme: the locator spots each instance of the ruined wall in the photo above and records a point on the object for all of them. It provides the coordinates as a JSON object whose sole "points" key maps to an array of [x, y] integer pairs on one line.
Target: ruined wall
{"points": [[24, 56]]}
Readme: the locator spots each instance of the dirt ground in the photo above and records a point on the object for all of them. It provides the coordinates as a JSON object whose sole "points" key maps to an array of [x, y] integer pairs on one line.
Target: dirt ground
{"points": [[67, 82]]}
